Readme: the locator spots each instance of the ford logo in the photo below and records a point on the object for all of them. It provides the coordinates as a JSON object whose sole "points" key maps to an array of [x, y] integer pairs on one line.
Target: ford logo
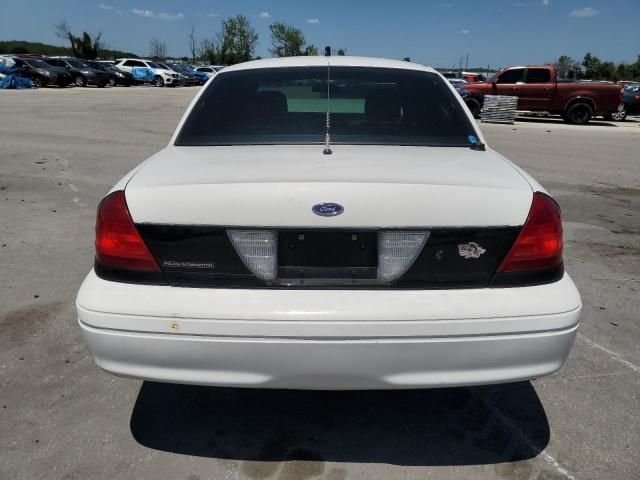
{"points": [[327, 209]]}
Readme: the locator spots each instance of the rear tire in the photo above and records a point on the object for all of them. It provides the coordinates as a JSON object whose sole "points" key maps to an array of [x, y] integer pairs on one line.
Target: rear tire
{"points": [[112, 82], [474, 106], [80, 81], [158, 81], [617, 116], [578, 114], [37, 81]]}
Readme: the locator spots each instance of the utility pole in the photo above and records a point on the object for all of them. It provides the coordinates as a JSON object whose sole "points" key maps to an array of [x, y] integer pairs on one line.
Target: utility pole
{"points": [[466, 65]]}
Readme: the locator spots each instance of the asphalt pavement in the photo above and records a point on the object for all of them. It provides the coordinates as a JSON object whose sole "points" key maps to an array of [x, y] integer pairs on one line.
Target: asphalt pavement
{"points": [[63, 418]]}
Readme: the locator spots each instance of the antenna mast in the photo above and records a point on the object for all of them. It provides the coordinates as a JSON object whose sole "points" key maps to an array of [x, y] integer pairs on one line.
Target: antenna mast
{"points": [[327, 139]]}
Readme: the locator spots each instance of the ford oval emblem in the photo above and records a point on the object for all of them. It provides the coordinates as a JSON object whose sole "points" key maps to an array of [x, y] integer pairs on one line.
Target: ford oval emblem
{"points": [[327, 209]]}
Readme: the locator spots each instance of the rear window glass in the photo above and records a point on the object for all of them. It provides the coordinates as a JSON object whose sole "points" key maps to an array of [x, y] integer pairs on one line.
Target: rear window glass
{"points": [[289, 105]]}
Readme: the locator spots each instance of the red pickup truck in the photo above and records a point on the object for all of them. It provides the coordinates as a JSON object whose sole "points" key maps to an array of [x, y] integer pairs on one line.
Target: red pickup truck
{"points": [[538, 89]]}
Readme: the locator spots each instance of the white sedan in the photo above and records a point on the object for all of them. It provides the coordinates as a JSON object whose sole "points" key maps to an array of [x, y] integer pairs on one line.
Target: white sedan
{"points": [[328, 223]]}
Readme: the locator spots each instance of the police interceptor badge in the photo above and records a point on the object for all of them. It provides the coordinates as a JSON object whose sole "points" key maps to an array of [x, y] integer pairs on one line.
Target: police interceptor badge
{"points": [[470, 250]]}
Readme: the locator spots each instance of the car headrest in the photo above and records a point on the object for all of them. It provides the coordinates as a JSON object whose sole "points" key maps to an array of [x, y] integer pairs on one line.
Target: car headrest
{"points": [[383, 103], [271, 103]]}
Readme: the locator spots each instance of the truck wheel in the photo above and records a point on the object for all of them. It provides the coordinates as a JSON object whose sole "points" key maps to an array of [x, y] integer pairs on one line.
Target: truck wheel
{"points": [[158, 81], [474, 106], [578, 114]]}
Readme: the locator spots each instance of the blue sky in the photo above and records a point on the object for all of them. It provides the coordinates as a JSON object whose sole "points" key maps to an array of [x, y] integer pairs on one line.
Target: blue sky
{"points": [[438, 33]]}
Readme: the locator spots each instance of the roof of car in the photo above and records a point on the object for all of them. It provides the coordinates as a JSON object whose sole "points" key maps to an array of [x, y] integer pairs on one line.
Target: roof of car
{"points": [[334, 61]]}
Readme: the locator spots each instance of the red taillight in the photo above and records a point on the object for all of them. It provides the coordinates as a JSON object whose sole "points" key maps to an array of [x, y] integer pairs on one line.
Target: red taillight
{"points": [[539, 244], [118, 243]]}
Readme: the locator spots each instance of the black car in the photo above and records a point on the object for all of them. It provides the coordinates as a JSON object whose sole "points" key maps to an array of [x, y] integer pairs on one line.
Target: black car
{"points": [[41, 73], [116, 76], [82, 73], [187, 77]]}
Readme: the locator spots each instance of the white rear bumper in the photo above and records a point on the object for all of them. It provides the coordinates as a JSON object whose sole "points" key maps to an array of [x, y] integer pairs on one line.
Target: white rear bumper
{"points": [[328, 339]]}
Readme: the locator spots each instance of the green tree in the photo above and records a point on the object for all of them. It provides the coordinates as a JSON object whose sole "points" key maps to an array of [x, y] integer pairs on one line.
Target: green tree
{"points": [[86, 45], [592, 66], [239, 40], [311, 50], [286, 40], [342, 52]]}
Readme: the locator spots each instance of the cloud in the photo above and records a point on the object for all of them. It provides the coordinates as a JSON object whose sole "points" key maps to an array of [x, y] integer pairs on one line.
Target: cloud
{"points": [[546, 2], [314, 21], [110, 8], [464, 31], [447, 5], [157, 15], [264, 15], [584, 12]]}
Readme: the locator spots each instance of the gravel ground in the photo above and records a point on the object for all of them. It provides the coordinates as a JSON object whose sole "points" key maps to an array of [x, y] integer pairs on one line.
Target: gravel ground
{"points": [[61, 417]]}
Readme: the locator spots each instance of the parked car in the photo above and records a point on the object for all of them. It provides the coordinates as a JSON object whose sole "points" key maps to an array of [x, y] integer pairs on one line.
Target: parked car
{"points": [[186, 78], [162, 78], [116, 77], [210, 70], [80, 71], [466, 76], [459, 84], [538, 89], [274, 245], [189, 77], [630, 103], [472, 77], [39, 72]]}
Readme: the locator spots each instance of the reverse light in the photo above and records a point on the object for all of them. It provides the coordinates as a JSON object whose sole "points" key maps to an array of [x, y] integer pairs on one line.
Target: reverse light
{"points": [[539, 244], [258, 249], [397, 251], [118, 243]]}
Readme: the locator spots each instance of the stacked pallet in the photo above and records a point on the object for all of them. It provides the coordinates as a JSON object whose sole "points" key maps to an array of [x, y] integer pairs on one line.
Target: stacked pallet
{"points": [[499, 109]]}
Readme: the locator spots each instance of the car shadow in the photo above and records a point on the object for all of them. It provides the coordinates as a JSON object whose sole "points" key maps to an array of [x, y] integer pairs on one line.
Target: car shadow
{"points": [[454, 426], [560, 121]]}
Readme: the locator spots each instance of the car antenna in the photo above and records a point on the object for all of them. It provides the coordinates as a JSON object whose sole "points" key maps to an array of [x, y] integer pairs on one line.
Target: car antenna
{"points": [[327, 139]]}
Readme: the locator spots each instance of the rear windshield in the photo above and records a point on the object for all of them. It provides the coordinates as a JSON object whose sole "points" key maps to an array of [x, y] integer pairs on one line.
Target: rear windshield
{"points": [[37, 63], [77, 63], [289, 106]]}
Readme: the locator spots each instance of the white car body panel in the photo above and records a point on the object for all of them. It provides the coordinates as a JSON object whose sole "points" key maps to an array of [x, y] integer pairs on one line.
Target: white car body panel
{"points": [[169, 76], [410, 186], [328, 338]]}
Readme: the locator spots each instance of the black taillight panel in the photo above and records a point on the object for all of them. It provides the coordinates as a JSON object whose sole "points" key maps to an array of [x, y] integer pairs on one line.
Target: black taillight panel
{"points": [[202, 256], [459, 258]]}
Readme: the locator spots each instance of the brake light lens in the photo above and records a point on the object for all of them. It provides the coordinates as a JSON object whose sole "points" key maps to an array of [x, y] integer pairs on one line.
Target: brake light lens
{"points": [[118, 243], [539, 244]]}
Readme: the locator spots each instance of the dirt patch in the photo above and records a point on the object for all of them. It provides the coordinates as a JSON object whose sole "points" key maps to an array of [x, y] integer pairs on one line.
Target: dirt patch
{"points": [[19, 324]]}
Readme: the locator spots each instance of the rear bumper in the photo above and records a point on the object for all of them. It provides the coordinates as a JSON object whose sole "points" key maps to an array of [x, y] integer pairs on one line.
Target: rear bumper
{"points": [[320, 365], [328, 339]]}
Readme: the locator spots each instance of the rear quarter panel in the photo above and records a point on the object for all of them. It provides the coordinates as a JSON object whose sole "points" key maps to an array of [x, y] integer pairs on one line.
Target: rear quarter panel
{"points": [[605, 97]]}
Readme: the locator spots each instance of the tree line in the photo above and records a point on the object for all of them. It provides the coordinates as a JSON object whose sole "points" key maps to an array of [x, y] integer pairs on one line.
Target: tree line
{"points": [[592, 68], [236, 42], [20, 47]]}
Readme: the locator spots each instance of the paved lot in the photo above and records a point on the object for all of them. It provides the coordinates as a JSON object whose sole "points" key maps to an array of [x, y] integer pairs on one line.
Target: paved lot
{"points": [[61, 417]]}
